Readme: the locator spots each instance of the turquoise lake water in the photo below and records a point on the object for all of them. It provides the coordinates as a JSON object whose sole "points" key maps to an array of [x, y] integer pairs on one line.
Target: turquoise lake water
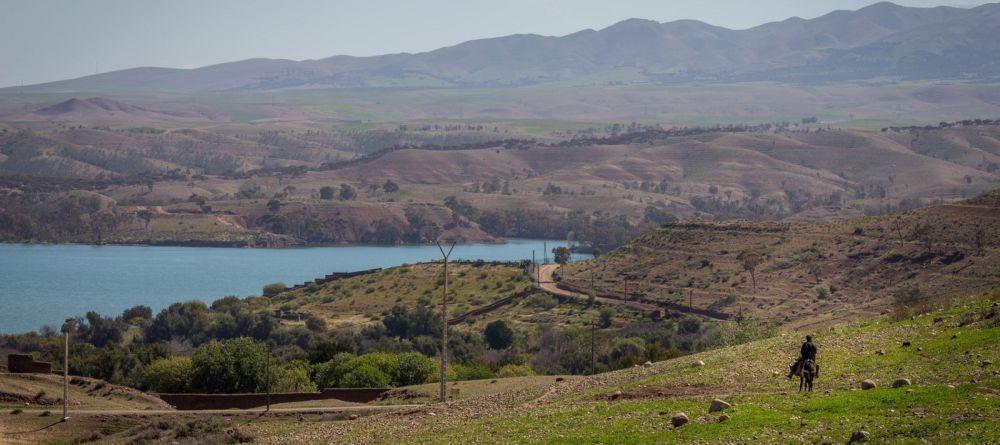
{"points": [[45, 284]]}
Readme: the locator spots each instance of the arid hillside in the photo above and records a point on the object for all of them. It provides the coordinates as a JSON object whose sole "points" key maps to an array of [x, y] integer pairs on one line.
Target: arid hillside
{"points": [[807, 274], [601, 190]]}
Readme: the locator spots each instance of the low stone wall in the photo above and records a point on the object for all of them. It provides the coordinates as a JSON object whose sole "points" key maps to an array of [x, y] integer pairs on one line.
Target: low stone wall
{"points": [[26, 364], [246, 401]]}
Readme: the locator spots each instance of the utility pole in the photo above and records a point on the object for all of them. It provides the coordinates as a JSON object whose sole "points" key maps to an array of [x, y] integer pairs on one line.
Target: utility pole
{"points": [[593, 357], [65, 415], [545, 252], [444, 324], [534, 266], [691, 299], [626, 289], [267, 383]]}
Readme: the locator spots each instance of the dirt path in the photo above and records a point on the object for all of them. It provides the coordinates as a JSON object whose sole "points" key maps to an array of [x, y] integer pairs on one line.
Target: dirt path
{"points": [[547, 284], [165, 412]]}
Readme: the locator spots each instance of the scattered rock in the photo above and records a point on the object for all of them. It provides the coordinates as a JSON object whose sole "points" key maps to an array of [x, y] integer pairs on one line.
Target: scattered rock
{"points": [[431, 413], [867, 384], [679, 419], [909, 391], [353, 417], [859, 436], [698, 364], [986, 363], [880, 352], [616, 395], [718, 405], [906, 344], [950, 386], [647, 364], [723, 418], [803, 422], [920, 349], [559, 379], [900, 382], [938, 320]]}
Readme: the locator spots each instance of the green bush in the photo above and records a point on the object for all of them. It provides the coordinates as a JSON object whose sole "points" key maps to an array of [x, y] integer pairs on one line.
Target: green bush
{"points": [[229, 366], [169, 375], [606, 315], [365, 376], [515, 371], [822, 292], [498, 334], [293, 377], [473, 371], [414, 369], [330, 373], [273, 289], [541, 301]]}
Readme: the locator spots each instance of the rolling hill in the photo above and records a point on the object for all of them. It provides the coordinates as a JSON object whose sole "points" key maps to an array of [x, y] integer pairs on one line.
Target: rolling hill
{"points": [[880, 40]]}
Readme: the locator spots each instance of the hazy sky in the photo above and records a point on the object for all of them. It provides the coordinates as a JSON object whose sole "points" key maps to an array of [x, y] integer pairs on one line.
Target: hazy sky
{"points": [[44, 40]]}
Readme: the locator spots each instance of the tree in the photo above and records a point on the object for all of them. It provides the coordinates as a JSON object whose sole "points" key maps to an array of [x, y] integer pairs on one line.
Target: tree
{"points": [[146, 216], [606, 316], [390, 187], [347, 193], [414, 369], [230, 366], [273, 289], [326, 192], [751, 258], [168, 375], [316, 324], [498, 335], [274, 205], [561, 255]]}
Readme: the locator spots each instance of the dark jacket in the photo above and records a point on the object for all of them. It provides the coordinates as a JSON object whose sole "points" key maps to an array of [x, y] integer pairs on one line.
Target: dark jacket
{"points": [[808, 351]]}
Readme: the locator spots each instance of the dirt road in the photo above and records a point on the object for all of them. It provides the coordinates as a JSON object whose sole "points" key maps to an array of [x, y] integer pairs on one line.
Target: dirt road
{"points": [[547, 284]]}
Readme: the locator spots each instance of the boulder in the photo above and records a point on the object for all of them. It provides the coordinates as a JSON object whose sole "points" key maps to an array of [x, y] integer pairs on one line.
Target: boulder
{"points": [[718, 405], [698, 364], [900, 382], [679, 419], [859, 436], [647, 364], [867, 384], [353, 417]]}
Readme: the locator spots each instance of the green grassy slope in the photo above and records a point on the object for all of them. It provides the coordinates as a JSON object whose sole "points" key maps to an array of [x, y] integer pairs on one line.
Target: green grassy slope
{"points": [[953, 398]]}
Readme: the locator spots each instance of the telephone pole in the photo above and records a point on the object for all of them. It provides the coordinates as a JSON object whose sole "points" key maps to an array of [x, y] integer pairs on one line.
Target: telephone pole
{"points": [[444, 324], [65, 415], [267, 385], [593, 356]]}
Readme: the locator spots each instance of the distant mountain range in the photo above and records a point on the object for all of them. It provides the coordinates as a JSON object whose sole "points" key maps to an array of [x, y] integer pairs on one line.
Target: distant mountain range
{"points": [[883, 40]]}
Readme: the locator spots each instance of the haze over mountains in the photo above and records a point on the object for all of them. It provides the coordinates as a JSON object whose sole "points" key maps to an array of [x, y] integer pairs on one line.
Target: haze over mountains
{"points": [[880, 41]]}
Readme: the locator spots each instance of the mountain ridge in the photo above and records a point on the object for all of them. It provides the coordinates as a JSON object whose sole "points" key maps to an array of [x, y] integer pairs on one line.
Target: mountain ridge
{"points": [[795, 49]]}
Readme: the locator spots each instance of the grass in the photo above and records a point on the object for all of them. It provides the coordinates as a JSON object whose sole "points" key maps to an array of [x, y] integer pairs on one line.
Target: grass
{"points": [[953, 398]]}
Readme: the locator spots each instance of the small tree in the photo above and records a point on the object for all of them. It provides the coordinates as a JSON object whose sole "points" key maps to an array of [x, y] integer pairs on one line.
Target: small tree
{"points": [[229, 366], [168, 375], [316, 324], [326, 192], [499, 335], [606, 315], [347, 193], [561, 254], [273, 289], [390, 187], [274, 205], [751, 258]]}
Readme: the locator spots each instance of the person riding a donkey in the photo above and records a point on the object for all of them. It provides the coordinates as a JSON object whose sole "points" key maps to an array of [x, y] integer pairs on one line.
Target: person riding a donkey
{"points": [[807, 352]]}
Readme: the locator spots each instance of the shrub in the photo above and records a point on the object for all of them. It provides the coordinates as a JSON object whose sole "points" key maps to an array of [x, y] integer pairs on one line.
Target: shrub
{"points": [[293, 377], [515, 371], [498, 335], [273, 289], [330, 373], [229, 366], [414, 369], [541, 301], [606, 316], [168, 375], [473, 371], [365, 376], [316, 324], [822, 292]]}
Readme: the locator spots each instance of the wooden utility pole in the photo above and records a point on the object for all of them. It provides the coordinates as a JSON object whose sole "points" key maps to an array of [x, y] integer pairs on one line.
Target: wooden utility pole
{"points": [[626, 289], [444, 324], [267, 382], [534, 266], [593, 356], [65, 415]]}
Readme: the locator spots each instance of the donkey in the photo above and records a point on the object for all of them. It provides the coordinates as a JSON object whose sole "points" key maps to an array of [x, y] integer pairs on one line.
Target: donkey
{"points": [[807, 372]]}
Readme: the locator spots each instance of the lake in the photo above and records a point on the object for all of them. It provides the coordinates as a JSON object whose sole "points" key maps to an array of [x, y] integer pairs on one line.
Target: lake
{"points": [[44, 284]]}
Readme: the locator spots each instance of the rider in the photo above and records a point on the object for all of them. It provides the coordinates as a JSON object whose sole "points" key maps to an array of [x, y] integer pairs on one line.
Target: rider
{"points": [[808, 352]]}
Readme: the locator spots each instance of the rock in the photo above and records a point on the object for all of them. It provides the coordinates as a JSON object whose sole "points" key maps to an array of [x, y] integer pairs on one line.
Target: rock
{"points": [[859, 436], [718, 405], [880, 352], [986, 363], [353, 417], [900, 382], [559, 379], [723, 418], [803, 422], [938, 319], [909, 391], [954, 336], [920, 349], [616, 395], [867, 384], [647, 364], [698, 364], [950, 386], [679, 419], [906, 344]]}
